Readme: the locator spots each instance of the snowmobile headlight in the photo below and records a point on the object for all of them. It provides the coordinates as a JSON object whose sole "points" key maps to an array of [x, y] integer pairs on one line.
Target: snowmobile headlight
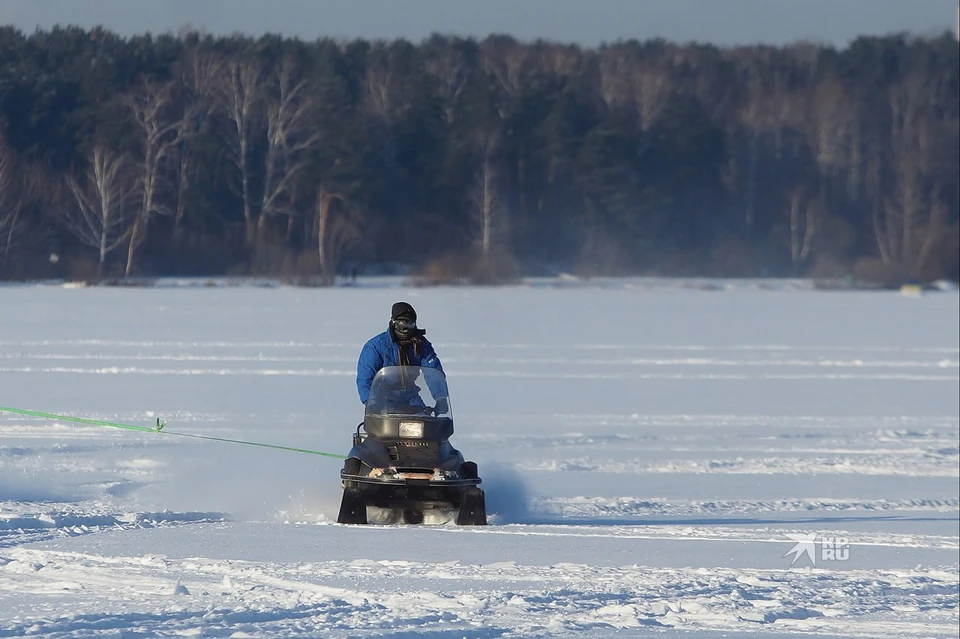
{"points": [[411, 429]]}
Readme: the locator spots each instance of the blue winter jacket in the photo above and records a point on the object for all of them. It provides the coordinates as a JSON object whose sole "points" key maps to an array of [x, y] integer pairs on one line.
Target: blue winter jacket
{"points": [[382, 351]]}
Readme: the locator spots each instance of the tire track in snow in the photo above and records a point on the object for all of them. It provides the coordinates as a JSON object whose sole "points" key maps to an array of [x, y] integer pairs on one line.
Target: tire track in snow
{"points": [[694, 530], [501, 374], [924, 464], [350, 346], [606, 507], [509, 599], [26, 523], [632, 361]]}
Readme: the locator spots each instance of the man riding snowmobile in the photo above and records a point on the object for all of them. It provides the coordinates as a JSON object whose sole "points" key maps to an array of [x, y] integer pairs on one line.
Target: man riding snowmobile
{"points": [[402, 344], [402, 460]]}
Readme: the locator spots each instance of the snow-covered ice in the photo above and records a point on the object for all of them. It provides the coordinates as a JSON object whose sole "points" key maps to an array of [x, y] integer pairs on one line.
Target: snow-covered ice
{"points": [[654, 458]]}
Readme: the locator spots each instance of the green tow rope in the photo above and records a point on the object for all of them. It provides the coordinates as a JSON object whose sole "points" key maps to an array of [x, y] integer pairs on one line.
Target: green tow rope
{"points": [[159, 429]]}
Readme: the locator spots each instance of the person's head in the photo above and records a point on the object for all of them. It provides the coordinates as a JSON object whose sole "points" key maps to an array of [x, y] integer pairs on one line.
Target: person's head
{"points": [[403, 320]]}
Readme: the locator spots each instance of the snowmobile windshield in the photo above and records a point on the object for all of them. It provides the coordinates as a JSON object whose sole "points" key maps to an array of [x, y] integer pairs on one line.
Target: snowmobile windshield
{"points": [[408, 390]]}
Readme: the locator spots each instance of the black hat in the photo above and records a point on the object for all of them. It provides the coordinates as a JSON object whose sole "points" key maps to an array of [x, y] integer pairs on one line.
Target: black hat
{"points": [[402, 310]]}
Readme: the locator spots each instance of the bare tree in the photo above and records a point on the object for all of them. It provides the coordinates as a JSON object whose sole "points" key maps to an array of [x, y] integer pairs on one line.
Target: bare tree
{"points": [[102, 217], [874, 187], [450, 70], [806, 218], [22, 185], [615, 66], [511, 66], [561, 60], [386, 99], [161, 125], [386, 79], [198, 79], [652, 91], [922, 150], [239, 95], [935, 232], [772, 106], [830, 125], [335, 232], [11, 200], [488, 210], [291, 133]]}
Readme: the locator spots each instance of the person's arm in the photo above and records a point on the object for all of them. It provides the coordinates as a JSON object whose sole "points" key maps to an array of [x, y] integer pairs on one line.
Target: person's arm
{"points": [[430, 359], [368, 364]]}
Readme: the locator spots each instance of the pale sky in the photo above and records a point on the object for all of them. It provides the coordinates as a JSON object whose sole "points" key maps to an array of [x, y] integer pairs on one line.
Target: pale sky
{"points": [[586, 22]]}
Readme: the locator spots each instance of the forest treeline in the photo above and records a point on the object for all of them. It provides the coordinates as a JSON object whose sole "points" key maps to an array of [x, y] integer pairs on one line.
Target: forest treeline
{"points": [[187, 154]]}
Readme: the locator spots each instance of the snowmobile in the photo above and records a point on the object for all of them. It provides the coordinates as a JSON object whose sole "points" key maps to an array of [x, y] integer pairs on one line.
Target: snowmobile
{"points": [[402, 460]]}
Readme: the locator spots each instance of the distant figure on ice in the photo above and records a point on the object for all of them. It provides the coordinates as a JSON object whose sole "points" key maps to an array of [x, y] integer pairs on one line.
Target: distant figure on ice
{"points": [[402, 344]]}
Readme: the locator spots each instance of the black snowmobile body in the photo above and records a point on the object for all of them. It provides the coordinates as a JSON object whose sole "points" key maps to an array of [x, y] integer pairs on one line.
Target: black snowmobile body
{"points": [[402, 459]]}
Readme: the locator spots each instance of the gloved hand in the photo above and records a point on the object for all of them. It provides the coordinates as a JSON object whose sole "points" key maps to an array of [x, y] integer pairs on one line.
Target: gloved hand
{"points": [[442, 406]]}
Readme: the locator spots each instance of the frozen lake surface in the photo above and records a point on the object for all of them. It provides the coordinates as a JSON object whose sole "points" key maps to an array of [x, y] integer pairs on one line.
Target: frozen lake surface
{"points": [[651, 455]]}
